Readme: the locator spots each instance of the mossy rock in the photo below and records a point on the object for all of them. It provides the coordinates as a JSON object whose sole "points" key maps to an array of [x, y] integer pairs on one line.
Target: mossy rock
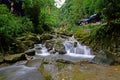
{"points": [[117, 60], [63, 61], [30, 52], [49, 44], [46, 36], [59, 47], [14, 58], [64, 31], [75, 44], [104, 57], [26, 41]]}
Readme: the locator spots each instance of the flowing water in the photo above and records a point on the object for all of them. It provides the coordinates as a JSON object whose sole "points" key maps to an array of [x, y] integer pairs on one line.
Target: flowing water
{"points": [[29, 70], [74, 51], [41, 50], [20, 72]]}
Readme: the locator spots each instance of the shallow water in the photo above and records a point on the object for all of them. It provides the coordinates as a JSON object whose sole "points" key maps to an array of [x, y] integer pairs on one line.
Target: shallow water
{"points": [[20, 72], [77, 70]]}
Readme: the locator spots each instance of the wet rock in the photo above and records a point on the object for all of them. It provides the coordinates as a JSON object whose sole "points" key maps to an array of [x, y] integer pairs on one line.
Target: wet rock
{"points": [[30, 52], [104, 58], [63, 61], [26, 41], [75, 44], [60, 48], [45, 37], [64, 36], [14, 58], [52, 51], [65, 33], [55, 46], [62, 51], [34, 63], [49, 44]]}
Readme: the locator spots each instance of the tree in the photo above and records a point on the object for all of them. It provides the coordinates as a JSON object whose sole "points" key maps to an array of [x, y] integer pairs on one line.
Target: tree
{"points": [[74, 10], [11, 27], [110, 10], [39, 11]]}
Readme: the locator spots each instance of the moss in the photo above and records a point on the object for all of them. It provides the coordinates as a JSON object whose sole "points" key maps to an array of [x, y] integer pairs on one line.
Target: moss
{"points": [[45, 36], [46, 74], [14, 58], [48, 77]]}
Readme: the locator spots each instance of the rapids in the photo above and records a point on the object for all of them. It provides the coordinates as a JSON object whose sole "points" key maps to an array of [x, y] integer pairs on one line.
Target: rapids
{"points": [[75, 51], [28, 70]]}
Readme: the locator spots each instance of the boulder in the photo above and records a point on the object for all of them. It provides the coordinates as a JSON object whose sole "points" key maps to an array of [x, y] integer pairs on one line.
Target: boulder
{"points": [[14, 58], [55, 46], [45, 37], [60, 48], [104, 58], [30, 52], [75, 44], [50, 44]]}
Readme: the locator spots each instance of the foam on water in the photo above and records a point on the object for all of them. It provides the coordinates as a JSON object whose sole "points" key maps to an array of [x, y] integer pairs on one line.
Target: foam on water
{"points": [[75, 49], [72, 46], [41, 50]]}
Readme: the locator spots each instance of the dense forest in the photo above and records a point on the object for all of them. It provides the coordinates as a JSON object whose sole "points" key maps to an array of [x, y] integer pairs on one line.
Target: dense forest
{"points": [[27, 18]]}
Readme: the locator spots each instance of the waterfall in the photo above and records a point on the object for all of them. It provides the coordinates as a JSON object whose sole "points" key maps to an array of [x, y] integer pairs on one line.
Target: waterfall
{"points": [[75, 49], [41, 50], [72, 46]]}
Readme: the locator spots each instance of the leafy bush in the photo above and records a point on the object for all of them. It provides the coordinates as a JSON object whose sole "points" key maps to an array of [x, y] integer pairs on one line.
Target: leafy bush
{"points": [[11, 27], [39, 13]]}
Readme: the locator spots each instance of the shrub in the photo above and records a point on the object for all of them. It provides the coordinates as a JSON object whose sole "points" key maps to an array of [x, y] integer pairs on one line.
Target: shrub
{"points": [[11, 27]]}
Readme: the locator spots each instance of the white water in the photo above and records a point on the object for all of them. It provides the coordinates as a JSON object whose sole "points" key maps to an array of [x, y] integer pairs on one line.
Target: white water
{"points": [[72, 47], [41, 50], [75, 49]]}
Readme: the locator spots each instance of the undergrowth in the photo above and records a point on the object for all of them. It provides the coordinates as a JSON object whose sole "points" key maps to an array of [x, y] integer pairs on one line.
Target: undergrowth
{"points": [[99, 37]]}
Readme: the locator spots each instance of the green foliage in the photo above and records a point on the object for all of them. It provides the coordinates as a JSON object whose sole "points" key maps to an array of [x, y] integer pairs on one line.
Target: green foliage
{"points": [[110, 9], [97, 36], [106, 37], [39, 11], [42, 15], [11, 27], [39, 17], [74, 10]]}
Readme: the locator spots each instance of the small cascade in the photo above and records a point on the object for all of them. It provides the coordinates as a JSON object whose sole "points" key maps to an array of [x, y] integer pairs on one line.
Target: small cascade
{"points": [[75, 49], [41, 50], [72, 46]]}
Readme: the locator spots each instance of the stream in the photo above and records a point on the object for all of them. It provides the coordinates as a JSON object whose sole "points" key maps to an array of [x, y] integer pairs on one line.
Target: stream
{"points": [[73, 65]]}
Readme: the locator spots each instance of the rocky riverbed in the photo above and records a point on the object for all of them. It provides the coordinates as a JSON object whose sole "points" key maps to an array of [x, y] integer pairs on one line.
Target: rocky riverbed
{"points": [[81, 71]]}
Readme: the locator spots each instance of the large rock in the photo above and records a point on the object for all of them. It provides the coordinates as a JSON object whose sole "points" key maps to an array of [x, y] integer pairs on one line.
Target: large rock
{"points": [[55, 46], [60, 48], [14, 58], [50, 44], [45, 37], [104, 58], [30, 52]]}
